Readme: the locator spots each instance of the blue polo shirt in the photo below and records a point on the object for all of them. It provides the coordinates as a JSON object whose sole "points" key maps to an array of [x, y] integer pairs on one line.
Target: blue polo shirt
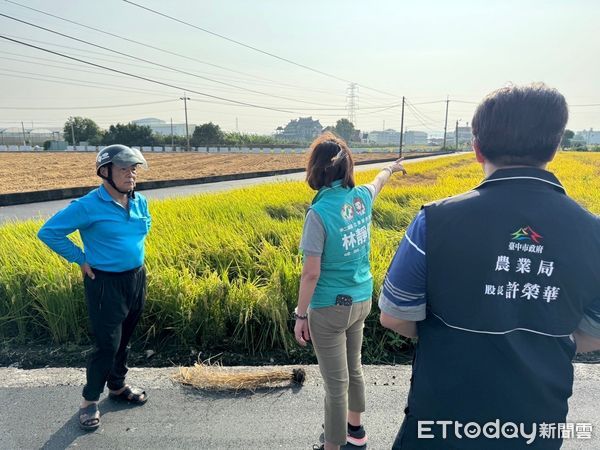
{"points": [[113, 237], [403, 292]]}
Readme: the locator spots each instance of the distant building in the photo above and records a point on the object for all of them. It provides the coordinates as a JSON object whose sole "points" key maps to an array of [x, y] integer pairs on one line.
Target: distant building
{"points": [[415, 138], [385, 137], [164, 128], [392, 137], [302, 129], [464, 136], [587, 137], [31, 136]]}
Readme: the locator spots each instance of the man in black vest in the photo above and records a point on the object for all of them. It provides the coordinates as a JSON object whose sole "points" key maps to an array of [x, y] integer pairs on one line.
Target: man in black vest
{"points": [[501, 285]]}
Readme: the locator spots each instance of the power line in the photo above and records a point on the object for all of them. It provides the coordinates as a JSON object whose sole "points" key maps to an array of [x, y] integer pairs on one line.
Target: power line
{"points": [[113, 87], [72, 69], [421, 118], [382, 109], [143, 78], [76, 82], [70, 83], [136, 42], [170, 52], [156, 63], [20, 108], [423, 115], [416, 116], [151, 80], [428, 103], [237, 42], [69, 67], [86, 52], [465, 101], [256, 49], [120, 60], [65, 66]]}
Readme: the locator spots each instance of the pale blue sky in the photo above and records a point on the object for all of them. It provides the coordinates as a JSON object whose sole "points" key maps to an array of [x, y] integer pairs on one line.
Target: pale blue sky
{"points": [[422, 50]]}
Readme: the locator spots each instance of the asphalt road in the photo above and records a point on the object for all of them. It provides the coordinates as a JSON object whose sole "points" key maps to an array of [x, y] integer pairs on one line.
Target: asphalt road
{"points": [[46, 209], [38, 410]]}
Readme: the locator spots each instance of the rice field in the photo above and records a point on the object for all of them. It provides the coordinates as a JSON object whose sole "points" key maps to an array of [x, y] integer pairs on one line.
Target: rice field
{"points": [[224, 268]]}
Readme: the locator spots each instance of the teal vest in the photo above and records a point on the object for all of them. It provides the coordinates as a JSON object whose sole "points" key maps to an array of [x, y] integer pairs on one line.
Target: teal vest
{"points": [[345, 267]]}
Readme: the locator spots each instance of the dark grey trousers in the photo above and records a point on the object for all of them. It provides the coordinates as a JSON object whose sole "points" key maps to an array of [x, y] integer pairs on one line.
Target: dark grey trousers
{"points": [[115, 302]]}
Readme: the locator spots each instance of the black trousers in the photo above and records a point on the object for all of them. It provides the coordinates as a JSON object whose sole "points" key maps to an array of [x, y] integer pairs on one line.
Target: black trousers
{"points": [[115, 302]]}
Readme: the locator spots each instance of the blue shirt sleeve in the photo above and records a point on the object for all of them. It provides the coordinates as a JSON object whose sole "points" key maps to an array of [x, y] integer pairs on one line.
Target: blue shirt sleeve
{"points": [[55, 231], [405, 285]]}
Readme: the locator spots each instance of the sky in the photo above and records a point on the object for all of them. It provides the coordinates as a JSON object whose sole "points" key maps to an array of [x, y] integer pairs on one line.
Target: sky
{"points": [[303, 58]]}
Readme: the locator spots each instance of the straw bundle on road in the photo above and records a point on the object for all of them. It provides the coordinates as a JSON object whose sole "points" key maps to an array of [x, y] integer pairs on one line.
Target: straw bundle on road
{"points": [[216, 377]]}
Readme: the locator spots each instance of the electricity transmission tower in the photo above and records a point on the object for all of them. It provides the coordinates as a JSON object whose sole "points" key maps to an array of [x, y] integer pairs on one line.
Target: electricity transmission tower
{"points": [[352, 102]]}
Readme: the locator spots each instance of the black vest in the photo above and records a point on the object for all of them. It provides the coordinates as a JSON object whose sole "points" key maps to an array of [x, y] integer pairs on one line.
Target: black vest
{"points": [[511, 267]]}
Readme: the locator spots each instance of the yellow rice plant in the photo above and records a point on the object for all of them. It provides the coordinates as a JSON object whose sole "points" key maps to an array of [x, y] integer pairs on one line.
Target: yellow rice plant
{"points": [[224, 267]]}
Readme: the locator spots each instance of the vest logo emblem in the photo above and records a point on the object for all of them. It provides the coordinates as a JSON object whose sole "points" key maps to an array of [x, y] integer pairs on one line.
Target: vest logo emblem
{"points": [[526, 234], [347, 212]]}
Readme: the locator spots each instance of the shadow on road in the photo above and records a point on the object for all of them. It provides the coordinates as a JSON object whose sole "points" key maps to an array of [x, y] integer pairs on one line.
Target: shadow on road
{"points": [[65, 436], [220, 395], [70, 430]]}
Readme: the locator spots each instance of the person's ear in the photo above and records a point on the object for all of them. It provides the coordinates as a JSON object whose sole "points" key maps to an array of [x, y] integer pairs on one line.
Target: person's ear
{"points": [[478, 156]]}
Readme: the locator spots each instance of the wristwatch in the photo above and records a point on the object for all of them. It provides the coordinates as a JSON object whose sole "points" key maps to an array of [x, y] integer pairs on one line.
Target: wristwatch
{"points": [[298, 316]]}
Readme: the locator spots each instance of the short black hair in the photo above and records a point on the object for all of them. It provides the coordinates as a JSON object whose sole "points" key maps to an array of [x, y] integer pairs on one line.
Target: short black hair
{"points": [[520, 125]]}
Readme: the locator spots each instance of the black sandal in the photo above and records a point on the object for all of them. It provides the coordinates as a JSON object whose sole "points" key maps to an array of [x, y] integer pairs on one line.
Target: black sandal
{"points": [[89, 417], [133, 396]]}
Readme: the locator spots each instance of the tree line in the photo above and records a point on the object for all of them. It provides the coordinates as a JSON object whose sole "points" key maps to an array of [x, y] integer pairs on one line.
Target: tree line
{"points": [[82, 129]]}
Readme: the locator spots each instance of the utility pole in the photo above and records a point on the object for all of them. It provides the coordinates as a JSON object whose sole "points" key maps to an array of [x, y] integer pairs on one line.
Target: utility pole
{"points": [[185, 98], [171, 133], [456, 136], [73, 134], [383, 129], [23, 128], [401, 129], [237, 128], [446, 123]]}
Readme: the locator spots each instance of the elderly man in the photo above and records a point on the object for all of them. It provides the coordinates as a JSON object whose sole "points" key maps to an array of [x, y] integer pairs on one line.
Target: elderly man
{"points": [[113, 222], [501, 286]]}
